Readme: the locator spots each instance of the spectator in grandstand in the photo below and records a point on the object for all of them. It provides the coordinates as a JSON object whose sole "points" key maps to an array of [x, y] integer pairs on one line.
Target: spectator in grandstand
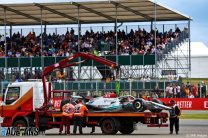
{"points": [[183, 88], [2, 39], [186, 92], [136, 42], [170, 77], [18, 78], [178, 95], [143, 78], [194, 90], [174, 91], [147, 78], [169, 91], [133, 43], [154, 95], [157, 91], [60, 75], [191, 95], [199, 90], [37, 73], [204, 89], [2, 54]]}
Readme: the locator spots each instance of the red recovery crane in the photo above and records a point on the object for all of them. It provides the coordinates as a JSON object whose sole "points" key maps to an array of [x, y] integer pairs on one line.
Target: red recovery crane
{"points": [[67, 62], [110, 122]]}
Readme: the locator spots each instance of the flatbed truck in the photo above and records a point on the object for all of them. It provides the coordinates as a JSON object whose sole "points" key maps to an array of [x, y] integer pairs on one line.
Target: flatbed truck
{"points": [[124, 122], [23, 108]]}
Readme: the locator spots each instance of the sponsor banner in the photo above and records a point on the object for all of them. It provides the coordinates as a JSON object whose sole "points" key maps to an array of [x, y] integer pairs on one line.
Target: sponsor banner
{"points": [[188, 103], [56, 103], [183, 103]]}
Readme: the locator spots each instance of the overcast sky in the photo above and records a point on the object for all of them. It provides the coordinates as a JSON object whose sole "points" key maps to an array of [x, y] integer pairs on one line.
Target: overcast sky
{"points": [[197, 9]]}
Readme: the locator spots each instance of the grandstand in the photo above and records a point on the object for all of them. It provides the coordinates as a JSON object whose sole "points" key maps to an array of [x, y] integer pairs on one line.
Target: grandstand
{"points": [[132, 47]]}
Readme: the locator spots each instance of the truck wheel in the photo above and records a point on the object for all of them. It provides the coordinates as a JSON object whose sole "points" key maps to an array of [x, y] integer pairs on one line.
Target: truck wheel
{"points": [[156, 110], [108, 126], [127, 128], [138, 105], [20, 123]]}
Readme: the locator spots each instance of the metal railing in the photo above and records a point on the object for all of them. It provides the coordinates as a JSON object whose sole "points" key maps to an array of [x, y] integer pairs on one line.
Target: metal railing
{"points": [[132, 87]]}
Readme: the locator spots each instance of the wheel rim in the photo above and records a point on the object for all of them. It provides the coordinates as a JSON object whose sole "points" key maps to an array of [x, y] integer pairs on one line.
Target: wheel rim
{"points": [[107, 127], [138, 105]]}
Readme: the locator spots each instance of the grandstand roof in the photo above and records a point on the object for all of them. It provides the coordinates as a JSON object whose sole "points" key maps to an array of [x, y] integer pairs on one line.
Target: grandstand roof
{"points": [[90, 12]]}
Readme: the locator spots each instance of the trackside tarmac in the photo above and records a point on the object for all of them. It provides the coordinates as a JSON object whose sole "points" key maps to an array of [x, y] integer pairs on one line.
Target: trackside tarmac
{"points": [[188, 129]]}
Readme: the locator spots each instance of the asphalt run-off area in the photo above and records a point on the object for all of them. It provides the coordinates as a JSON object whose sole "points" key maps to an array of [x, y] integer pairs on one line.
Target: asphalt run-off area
{"points": [[189, 128]]}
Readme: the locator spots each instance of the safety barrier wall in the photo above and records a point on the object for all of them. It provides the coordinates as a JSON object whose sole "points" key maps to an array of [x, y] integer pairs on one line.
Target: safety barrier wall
{"points": [[189, 103]]}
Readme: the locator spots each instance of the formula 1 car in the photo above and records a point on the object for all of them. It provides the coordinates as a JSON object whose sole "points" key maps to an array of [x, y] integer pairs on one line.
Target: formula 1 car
{"points": [[125, 104]]}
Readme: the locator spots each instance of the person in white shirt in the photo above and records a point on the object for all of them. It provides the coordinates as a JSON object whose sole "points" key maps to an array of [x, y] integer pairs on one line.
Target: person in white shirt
{"points": [[170, 77], [167, 91], [178, 95], [191, 95], [170, 92]]}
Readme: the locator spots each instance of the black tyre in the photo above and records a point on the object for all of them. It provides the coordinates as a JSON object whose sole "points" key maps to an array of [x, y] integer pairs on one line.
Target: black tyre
{"points": [[20, 123], [156, 110], [138, 105], [109, 126], [127, 128]]}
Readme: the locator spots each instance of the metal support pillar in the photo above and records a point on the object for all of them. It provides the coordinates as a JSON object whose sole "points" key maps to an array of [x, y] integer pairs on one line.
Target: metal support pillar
{"points": [[163, 28], [79, 32], [116, 34], [156, 76], [41, 42], [102, 29], [5, 43], [10, 31], [189, 39], [56, 31], [45, 28], [151, 26], [21, 31]]}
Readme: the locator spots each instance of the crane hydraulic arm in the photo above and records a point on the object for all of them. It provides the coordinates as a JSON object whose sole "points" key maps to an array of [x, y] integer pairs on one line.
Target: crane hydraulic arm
{"points": [[67, 62]]}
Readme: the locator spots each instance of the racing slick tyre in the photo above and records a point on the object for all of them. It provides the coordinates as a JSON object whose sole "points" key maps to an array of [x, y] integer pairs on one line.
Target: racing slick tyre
{"points": [[20, 123], [109, 126], [138, 105], [156, 110], [127, 128]]}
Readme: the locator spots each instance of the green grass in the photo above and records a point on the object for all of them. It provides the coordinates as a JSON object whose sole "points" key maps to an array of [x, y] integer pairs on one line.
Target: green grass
{"points": [[194, 116]]}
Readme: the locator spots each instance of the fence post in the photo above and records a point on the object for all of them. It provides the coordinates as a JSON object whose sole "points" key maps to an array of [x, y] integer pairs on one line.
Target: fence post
{"points": [[96, 88], [164, 89]]}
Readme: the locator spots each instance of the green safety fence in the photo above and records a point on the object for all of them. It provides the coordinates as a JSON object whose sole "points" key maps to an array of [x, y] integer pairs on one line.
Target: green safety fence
{"points": [[36, 61], [111, 86]]}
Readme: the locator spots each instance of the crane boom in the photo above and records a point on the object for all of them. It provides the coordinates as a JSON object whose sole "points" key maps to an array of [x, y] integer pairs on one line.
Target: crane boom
{"points": [[67, 62]]}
